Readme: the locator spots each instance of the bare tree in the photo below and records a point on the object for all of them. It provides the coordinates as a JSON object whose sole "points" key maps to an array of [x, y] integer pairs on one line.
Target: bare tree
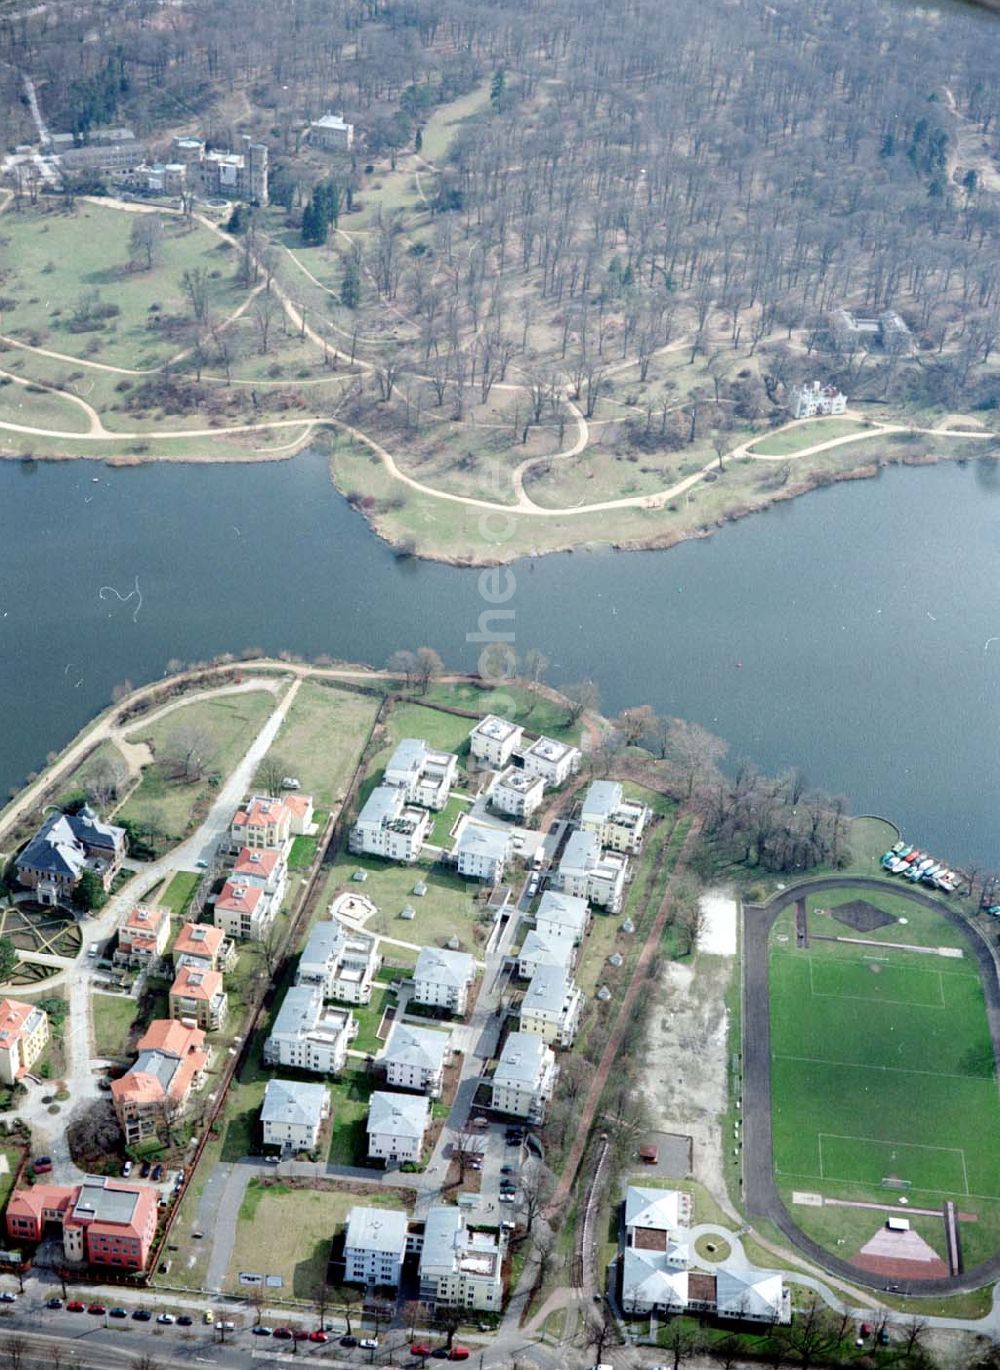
{"points": [[429, 666], [106, 780], [537, 1187], [580, 697], [146, 238], [265, 310], [195, 284], [270, 773], [467, 1145], [189, 751]]}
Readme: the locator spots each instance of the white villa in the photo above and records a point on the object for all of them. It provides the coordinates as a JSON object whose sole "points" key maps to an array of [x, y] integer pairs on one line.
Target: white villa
{"points": [[425, 776], [517, 792], [374, 1246], [388, 826], [564, 915], [554, 761], [619, 823], [812, 398], [396, 1126], [524, 1078], [342, 962], [415, 1058], [293, 1113], [592, 874], [443, 978], [552, 1006], [482, 853], [308, 1035], [494, 740]]}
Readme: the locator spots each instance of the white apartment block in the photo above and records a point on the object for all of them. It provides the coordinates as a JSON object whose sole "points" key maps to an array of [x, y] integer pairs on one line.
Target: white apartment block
{"points": [[425, 776], [388, 826], [293, 1113], [482, 853], [494, 740], [340, 961], [415, 1058], [524, 1078], [459, 1268], [592, 874], [812, 398], [374, 1246], [563, 915], [552, 1006], [545, 949], [396, 1126], [618, 822], [442, 979], [517, 792], [308, 1035], [554, 761]]}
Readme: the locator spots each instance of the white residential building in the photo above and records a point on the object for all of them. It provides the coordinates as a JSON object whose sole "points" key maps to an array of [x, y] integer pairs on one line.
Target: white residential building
{"points": [[656, 1274], [544, 949], [341, 961], [374, 1246], [425, 776], [552, 1006], [554, 761], [442, 979], [812, 398], [618, 822], [396, 1126], [388, 826], [517, 792], [331, 133], [458, 1267], [245, 912], [415, 1058], [592, 874], [482, 853], [494, 740], [308, 1035], [293, 1113], [524, 1078], [564, 915]]}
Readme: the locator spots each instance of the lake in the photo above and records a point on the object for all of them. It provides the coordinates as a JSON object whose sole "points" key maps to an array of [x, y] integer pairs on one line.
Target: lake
{"points": [[854, 633]]}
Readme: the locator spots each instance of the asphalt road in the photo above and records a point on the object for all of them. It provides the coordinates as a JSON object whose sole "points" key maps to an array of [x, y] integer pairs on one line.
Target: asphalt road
{"points": [[760, 1192]]}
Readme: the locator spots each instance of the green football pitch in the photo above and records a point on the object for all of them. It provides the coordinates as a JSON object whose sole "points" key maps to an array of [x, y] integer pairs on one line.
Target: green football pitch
{"points": [[882, 1070]]}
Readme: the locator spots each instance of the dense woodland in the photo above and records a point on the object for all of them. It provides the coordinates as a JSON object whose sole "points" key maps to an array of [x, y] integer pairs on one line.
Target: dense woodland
{"points": [[719, 176]]}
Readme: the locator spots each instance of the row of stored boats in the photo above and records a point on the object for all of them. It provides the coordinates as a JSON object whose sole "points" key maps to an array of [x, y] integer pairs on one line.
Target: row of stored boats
{"points": [[915, 865]]}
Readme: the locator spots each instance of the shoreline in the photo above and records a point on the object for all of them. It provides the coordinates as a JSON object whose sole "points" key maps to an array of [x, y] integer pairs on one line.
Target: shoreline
{"points": [[374, 517]]}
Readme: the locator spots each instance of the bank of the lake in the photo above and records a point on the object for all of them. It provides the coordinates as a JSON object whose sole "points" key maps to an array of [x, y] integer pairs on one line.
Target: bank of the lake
{"points": [[847, 633]]}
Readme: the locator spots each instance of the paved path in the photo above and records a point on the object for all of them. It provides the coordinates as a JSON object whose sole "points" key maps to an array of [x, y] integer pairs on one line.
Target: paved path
{"points": [[760, 1191]]}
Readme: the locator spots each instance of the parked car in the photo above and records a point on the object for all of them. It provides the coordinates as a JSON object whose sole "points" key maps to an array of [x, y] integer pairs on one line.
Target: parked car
{"points": [[348, 1341], [127, 1169], [142, 1315], [185, 1320], [227, 1326], [419, 1349], [144, 1169], [368, 1343], [318, 1335], [459, 1353], [97, 1309], [54, 1302], [506, 1170], [261, 1331], [74, 1306], [201, 864], [118, 1313], [157, 1173], [283, 1333], [166, 1319], [41, 1165], [300, 1334], [7, 1297]]}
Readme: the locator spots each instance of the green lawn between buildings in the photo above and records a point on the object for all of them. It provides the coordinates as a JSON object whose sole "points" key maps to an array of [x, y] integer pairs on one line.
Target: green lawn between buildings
{"points": [[882, 1067]]}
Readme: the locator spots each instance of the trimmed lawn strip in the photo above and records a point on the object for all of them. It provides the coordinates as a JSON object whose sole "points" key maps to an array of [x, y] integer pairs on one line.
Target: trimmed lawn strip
{"points": [[368, 1018], [179, 893], [321, 738], [113, 1016]]}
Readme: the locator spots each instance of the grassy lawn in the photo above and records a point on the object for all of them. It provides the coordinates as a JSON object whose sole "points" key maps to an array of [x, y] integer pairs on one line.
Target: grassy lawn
{"points": [[446, 820], [74, 786], [12, 1155], [300, 858], [349, 1101], [113, 1016], [321, 739], [56, 258], [179, 893], [882, 1066], [227, 726], [794, 440], [300, 1224], [448, 908], [368, 1019], [531, 709]]}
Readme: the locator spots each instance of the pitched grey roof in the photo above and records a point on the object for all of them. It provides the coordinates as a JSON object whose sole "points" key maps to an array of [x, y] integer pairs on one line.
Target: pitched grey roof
{"points": [[61, 844], [546, 949], [582, 851], [403, 1115], [491, 843], [454, 968], [522, 1060], [563, 910], [547, 990], [755, 1295], [659, 1208], [160, 1064], [293, 1101], [416, 1046]]}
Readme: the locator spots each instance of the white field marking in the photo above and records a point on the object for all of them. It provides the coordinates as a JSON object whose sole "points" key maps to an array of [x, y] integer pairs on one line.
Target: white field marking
{"points": [[897, 1146], [876, 998], [866, 1065]]}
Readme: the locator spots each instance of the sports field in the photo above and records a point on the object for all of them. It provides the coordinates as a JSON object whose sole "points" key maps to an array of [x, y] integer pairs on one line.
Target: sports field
{"points": [[882, 1071]]}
